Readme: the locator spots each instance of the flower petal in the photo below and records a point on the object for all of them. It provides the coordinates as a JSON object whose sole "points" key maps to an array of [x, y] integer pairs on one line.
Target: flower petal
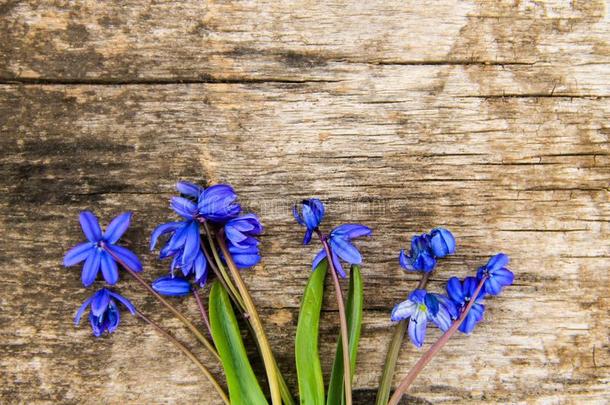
{"points": [[403, 310], [91, 226], [417, 328], [123, 301], [126, 256], [405, 261], [91, 267], [352, 230], [78, 253], [454, 290], [110, 270], [307, 237], [192, 244], [161, 230], [172, 286], [216, 198], [189, 189], [297, 216], [113, 317], [497, 262], [319, 257], [81, 310], [117, 227], [345, 250], [183, 207], [100, 301], [504, 276], [337, 265]]}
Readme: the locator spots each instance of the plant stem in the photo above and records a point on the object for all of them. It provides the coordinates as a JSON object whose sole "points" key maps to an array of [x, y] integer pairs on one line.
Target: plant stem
{"points": [[169, 306], [188, 353], [255, 321], [347, 379], [204, 315], [228, 284], [385, 384], [434, 349]]}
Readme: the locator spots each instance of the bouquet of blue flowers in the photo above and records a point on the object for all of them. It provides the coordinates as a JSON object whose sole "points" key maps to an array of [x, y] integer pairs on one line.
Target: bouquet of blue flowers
{"points": [[209, 244]]}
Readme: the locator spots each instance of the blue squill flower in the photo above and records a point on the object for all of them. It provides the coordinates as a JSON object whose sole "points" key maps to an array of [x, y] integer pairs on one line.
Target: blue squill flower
{"points": [[420, 308], [241, 231], [173, 286], [421, 256], [189, 189], [461, 293], [104, 314], [498, 276], [341, 247], [101, 251], [198, 268], [312, 213], [442, 242]]}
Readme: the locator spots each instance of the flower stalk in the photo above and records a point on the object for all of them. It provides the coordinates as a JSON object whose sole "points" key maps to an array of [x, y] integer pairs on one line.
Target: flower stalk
{"points": [[188, 354], [200, 337], [202, 311], [385, 384], [347, 379], [434, 349]]}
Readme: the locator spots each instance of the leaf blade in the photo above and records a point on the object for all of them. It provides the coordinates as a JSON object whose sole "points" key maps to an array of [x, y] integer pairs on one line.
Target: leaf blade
{"points": [[242, 383], [309, 370]]}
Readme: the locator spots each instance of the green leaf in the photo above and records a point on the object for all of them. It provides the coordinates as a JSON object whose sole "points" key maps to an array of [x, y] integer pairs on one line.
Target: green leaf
{"points": [[243, 386], [353, 310], [309, 371]]}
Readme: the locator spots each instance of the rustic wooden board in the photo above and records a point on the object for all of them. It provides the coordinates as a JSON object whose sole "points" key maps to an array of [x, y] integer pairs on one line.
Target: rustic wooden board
{"points": [[490, 118]]}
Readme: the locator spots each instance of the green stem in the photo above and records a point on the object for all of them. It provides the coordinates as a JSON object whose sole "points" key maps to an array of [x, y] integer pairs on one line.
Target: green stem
{"points": [[383, 393], [224, 276], [434, 349], [347, 379], [188, 354], [169, 306], [255, 321]]}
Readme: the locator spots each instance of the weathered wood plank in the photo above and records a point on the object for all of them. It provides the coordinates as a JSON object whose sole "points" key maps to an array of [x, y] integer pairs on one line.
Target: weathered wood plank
{"points": [[528, 176], [553, 47]]}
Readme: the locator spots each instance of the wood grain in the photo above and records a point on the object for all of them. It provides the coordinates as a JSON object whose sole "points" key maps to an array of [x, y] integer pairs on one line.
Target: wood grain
{"points": [[489, 118]]}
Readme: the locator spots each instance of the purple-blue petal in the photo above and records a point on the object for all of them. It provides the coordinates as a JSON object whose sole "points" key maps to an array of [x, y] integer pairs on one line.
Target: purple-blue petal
{"points": [[78, 253], [126, 256], [497, 262], [91, 226], [417, 328], [454, 290], [345, 250], [403, 310], [100, 302], [192, 244], [172, 286], [352, 231], [405, 261], [161, 230], [110, 270], [337, 264], [81, 310], [189, 189], [183, 207], [307, 237], [124, 301], [117, 227], [91, 267], [319, 257]]}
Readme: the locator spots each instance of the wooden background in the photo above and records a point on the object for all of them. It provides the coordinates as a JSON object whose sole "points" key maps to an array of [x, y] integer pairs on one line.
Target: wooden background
{"points": [[487, 117]]}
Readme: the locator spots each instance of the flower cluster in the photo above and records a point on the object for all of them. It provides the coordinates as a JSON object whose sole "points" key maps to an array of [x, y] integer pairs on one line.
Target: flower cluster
{"points": [[197, 207], [444, 310], [339, 239], [101, 252], [426, 248]]}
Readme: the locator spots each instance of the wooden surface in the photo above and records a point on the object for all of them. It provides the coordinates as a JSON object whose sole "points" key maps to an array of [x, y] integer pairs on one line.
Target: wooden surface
{"points": [[487, 117]]}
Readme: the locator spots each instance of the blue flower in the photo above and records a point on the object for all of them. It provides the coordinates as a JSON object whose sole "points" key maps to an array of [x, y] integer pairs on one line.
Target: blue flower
{"points": [[421, 256], [240, 231], [312, 213], [215, 203], [101, 250], [173, 286], [442, 242], [498, 276], [461, 293], [104, 314], [420, 308], [341, 247]]}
